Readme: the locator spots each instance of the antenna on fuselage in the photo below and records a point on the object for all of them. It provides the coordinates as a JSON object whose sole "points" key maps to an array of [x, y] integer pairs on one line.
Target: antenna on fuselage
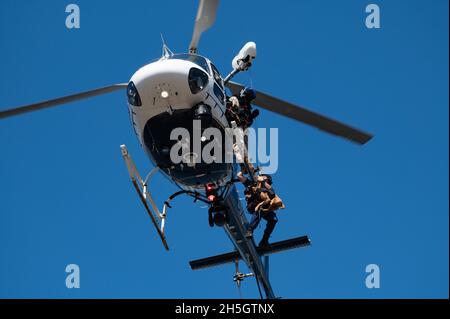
{"points": [[166, 52]]}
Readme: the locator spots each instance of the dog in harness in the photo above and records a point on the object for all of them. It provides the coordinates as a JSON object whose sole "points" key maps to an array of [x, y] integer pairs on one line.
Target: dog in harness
{"points": [[268, 199]]}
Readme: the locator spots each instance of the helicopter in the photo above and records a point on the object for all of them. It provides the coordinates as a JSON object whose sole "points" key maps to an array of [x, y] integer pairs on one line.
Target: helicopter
{"points": [[172, 92]]}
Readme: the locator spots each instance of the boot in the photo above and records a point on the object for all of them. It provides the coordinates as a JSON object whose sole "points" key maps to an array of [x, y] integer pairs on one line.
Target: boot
{"points": [[264, 243], [210, 219]]}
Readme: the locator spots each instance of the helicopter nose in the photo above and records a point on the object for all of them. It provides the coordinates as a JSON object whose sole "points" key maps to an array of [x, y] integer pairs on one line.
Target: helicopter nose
{"points": [[150, 91], [166, 83], [158, 88], [164, 91], [159, 94]]}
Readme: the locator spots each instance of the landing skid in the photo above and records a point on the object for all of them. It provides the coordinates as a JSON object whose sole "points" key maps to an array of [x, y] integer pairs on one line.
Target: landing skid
{"points": [[231, 257], [262, 275], [158, 219]]}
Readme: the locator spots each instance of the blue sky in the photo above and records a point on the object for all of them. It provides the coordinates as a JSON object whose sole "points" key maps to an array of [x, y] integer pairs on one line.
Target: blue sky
{"points": [[65, 196]]}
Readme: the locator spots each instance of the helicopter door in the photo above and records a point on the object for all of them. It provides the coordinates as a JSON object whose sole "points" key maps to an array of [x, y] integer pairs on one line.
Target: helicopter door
{"points": [[218, 84], [216, 75]]}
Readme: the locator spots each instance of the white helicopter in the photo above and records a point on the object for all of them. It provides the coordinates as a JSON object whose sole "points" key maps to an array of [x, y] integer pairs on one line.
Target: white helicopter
{"points": [[172, 92]]}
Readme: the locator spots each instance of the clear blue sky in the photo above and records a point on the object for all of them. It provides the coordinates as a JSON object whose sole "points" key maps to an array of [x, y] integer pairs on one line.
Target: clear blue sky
{"points": [[65, 195]]}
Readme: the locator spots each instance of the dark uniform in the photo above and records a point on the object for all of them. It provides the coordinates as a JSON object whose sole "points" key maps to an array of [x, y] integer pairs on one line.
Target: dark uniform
{"points": [[239, 108]]}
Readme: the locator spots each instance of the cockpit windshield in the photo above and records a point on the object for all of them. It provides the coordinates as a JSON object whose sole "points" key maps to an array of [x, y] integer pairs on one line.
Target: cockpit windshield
{"points": [[194, 58]]}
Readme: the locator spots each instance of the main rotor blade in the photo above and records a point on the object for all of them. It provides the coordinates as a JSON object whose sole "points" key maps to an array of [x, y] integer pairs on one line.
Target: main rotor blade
{"points": [[61, 100], [206, 15], [305, 116]]}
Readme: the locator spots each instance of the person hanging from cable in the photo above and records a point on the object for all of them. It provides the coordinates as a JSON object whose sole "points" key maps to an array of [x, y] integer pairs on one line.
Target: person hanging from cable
{"points": [[240, 110], [262, 202]]}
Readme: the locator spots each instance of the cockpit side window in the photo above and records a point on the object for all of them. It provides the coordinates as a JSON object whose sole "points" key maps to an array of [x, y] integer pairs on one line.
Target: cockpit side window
{"points": [[216, 75], [133, 95], [198, 80]]}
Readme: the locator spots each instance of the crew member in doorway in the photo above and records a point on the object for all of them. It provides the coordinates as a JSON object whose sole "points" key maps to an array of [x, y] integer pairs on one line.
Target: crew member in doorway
{"points": [[239, 108]]}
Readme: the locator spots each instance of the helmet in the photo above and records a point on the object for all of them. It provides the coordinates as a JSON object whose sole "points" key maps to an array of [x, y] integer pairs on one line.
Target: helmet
{"points": [[248, 94]]}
